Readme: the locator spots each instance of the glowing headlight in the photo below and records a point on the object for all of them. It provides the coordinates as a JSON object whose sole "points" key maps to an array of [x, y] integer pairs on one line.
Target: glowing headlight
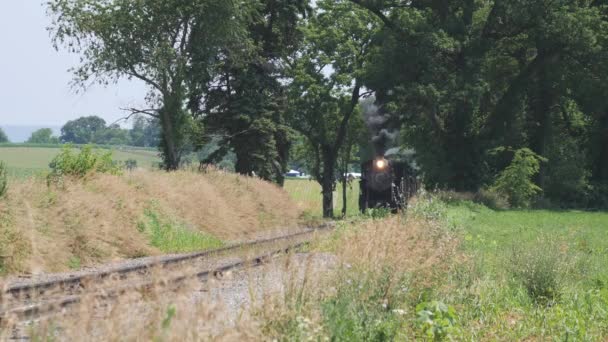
{"points": [[381, 164]]}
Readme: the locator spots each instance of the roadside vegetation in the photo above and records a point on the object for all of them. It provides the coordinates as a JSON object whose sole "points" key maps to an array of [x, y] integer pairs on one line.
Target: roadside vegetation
{"points": [[448, 269], [457, 271]]}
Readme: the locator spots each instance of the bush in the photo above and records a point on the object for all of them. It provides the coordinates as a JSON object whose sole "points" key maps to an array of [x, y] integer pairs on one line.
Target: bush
{"points": [[436, 320], [377, 213], [79, 165], [428, 207], [539, 269], [131, 164], [515, 182], [491, 199], [3, 179]]}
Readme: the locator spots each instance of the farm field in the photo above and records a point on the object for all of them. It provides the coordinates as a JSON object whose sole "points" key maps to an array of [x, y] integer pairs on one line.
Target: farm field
{"points": [[25, 161], [307, 195]]}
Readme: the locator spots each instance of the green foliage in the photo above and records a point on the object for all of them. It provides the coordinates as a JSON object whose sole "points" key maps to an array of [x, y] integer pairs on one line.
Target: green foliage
{"points": [[173, 46], [43, 136], [360, 310], [172, 238], [3, 179], [130, 164], [516, 181], [472, 75], [436, 320], [74, 263], [82, 130], [492, 199], [377, 213], [428, 207], [568, 176], [323, 105], [3, 136], [79, 165], [538, 268]]}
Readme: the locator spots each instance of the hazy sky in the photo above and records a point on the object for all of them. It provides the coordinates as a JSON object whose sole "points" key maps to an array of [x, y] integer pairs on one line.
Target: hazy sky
{"points": [[34, 78]]}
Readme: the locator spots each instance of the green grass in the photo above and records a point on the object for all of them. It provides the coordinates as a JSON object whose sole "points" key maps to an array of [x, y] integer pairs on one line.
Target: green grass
{"points": [[515, 255], [514, 276], [170, 237], [27, 161], [307, 194]]}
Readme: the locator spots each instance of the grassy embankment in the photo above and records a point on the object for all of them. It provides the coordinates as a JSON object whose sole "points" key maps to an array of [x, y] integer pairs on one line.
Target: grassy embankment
{"points": [[104, 218]]}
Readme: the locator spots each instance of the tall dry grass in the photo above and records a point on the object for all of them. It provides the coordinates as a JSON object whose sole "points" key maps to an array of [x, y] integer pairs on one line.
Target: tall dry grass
{"points": [[366, 274], [99, 220]]}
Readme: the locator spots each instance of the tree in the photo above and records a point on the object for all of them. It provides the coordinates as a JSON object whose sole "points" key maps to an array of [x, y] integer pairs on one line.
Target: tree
{"points": [[82, 130], [356, 133], [327, 84], [247, 104], [3, 136], [43, 136], [167, 44], [112, 135], [145, 132], [470, 76]]}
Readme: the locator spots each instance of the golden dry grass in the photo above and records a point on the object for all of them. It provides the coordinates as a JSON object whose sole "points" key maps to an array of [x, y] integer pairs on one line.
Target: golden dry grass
{"points": [[293, 312], [45, 229]]}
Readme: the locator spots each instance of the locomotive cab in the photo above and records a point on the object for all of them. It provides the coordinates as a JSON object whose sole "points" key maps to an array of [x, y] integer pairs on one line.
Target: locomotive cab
{"points": [[386, 183]]}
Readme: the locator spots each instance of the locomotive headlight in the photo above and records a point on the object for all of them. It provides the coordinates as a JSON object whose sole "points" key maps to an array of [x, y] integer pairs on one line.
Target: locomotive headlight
{"points": [[381, 164]]}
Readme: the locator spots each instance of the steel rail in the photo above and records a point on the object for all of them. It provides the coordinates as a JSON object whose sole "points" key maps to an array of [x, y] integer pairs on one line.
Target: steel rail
{"points": [[36, 290]]}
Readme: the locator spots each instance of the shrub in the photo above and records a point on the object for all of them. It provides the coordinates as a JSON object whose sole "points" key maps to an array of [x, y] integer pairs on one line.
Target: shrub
{"points": [[377, 213], [436, 320], [428, 207], [491, 199], [361, 309], [79, 165], [131, 164], [538, 268], [515, 182], [3, 179]]}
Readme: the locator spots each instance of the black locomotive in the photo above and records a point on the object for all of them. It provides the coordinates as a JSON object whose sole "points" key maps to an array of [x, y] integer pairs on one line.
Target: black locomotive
{"points": [[386, 183]]}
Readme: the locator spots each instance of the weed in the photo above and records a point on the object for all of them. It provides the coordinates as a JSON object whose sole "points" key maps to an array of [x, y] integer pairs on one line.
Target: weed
{"points": [[74, 263], [171, 238], [539, 267], [377, 213], [428, 207], [436, 320]]}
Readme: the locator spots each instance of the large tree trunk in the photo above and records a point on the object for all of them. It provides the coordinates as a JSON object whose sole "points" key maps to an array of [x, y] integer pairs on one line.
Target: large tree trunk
{"points": [[171, 126], [327, 183]]}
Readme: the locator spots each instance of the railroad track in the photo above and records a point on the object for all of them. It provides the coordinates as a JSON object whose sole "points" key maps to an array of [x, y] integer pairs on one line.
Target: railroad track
{"points": [[35, 300]]}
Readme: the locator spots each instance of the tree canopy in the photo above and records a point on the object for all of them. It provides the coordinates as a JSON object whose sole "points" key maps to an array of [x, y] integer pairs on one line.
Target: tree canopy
{"points": [[466, 84], [3, 136], [82, 130], [43, 136], [169, 45]]}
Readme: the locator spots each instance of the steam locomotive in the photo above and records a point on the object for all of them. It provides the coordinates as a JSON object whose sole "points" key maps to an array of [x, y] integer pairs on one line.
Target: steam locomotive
{"points": [[386, 183]]}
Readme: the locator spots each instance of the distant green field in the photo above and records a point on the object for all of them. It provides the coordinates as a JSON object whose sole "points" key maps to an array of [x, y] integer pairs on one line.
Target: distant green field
{"points": [[307, 194], [27, 161]]}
